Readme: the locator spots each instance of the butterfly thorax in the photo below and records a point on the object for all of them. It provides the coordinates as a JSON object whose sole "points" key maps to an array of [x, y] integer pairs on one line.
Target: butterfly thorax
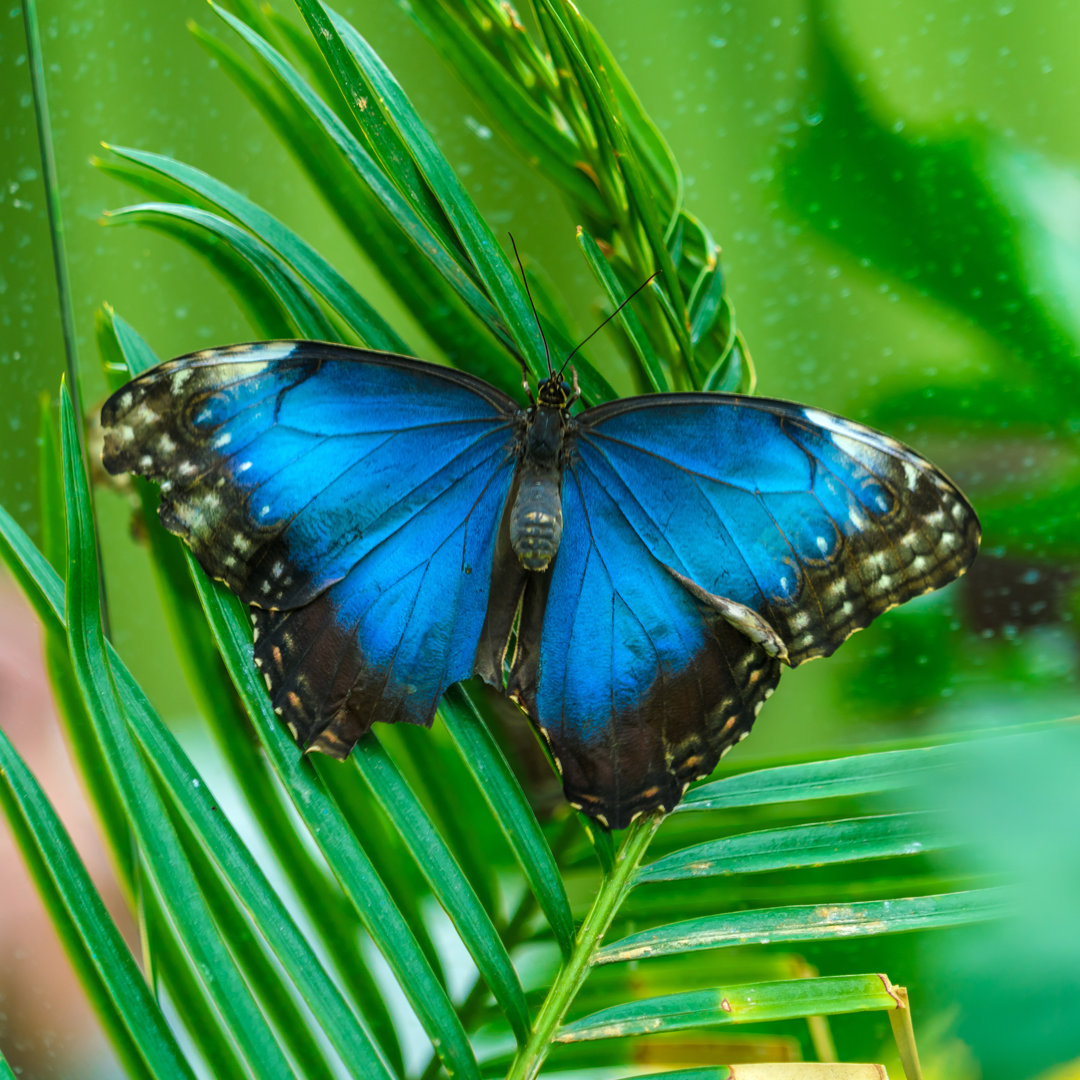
{"points": [[536, 519]]}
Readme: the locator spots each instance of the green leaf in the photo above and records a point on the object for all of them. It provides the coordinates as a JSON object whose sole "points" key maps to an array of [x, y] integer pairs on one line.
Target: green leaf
{"points": [[819, 922], [578, 83], [168, 965], [523, 120], [365, 818], [664, 176], [79, 732], [170, 872], [500, 787], [631, 324], [276, 997], [484, 252], [378, 117], [368, 171], [457, 807], [109, 974], [707, 299], [602, 843], [747, 1004], [860, 774], [328, 828], [278, 277], [446, 879], [816, 844], [346, 301], [734, 371], [574, 971], [576, 39]]}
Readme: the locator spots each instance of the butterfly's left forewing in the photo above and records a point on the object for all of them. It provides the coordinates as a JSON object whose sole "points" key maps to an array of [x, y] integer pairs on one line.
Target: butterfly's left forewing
{"points": [[816, 523], [351, 497]]}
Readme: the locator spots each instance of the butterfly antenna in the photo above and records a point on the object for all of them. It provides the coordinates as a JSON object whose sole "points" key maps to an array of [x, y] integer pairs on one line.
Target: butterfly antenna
{"points": [[536, 314], [655, 274]]}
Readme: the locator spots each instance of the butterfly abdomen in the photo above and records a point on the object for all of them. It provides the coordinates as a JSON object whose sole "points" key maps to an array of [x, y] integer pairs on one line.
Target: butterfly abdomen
{"points": [[536, 520]]}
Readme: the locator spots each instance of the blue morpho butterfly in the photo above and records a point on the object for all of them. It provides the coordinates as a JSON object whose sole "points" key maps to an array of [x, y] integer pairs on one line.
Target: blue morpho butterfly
{"points": [[394, 524]]}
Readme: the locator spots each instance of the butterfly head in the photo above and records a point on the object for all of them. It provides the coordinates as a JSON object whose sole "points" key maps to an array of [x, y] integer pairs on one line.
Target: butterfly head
{"points": [[555, 392]]}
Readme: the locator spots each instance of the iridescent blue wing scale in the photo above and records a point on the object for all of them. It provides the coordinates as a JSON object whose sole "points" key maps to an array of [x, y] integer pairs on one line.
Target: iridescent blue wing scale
{"points": [[351, 497], [706, 538]]}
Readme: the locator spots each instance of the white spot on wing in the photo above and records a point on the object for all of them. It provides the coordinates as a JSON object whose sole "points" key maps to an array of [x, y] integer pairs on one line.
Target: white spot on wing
{"points": [[823, 420], [266, 352]]}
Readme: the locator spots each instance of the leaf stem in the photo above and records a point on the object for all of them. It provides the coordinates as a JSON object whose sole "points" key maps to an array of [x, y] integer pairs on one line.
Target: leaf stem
{"points": [[57, 234], [572, 975]]}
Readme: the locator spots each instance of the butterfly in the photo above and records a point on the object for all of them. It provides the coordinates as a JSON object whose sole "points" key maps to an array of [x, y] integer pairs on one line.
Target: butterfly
{"points": [[633, 575]]}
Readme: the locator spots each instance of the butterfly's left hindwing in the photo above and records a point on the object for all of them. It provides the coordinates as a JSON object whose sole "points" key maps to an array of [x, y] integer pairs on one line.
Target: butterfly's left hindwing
{"points": [[637, 687], [352, 497]]}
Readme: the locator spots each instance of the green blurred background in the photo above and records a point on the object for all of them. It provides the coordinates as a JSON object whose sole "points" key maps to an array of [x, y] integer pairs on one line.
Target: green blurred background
{"points": [[897, 189]]}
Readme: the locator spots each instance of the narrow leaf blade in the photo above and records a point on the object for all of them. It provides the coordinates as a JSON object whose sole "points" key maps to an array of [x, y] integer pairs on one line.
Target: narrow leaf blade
{"points": [[496, 780], [859, 774], [810, 923], [812, 844], [107, 969], [742, 1004]]}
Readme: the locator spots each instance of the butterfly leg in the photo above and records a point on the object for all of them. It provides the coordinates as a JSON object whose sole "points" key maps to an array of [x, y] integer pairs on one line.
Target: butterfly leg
{"points": [[747, 621]]}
